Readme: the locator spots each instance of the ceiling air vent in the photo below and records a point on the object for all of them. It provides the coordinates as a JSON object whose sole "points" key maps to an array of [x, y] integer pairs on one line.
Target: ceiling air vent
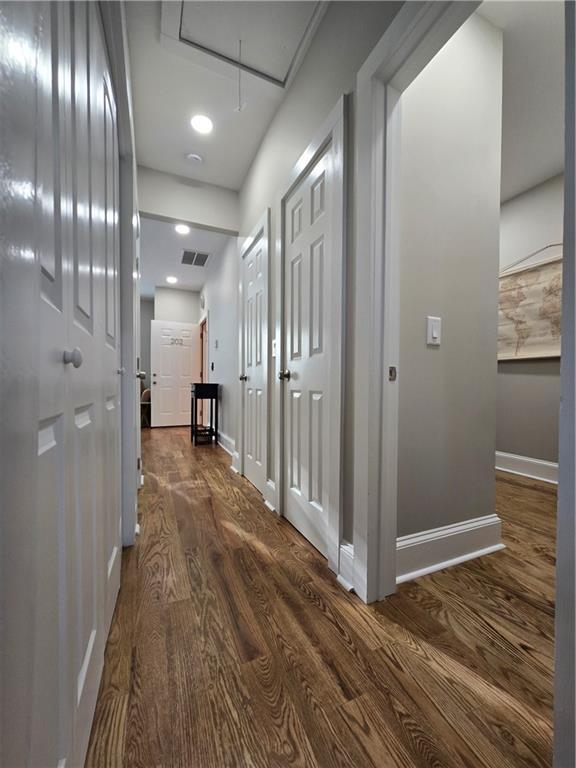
{"points": [[195, 258]]}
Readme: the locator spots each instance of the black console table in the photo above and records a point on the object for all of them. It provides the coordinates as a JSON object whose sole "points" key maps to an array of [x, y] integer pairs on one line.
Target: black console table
{"points": [[200, 433]]}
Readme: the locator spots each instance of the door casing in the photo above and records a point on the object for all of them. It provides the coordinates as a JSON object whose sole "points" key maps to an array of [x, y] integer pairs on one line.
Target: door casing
{"points": [[332, 131], [413, 38]]}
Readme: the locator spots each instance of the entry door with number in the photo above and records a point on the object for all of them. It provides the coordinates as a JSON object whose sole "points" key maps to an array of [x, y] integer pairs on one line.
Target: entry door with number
{"points": [[254, 354], [175, 363], [311, 420]]}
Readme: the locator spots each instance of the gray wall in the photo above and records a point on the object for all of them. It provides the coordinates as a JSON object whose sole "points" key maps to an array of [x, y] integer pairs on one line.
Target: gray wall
{"points": [[528, 406], [529, 391], [450, 202], [177, 306], [221, 306], [146, 317]]}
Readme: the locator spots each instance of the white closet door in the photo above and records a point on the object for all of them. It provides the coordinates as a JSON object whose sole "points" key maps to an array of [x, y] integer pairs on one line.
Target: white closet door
{"points": [[254, 351], [307, 394], [64, 542], [175, 362]]}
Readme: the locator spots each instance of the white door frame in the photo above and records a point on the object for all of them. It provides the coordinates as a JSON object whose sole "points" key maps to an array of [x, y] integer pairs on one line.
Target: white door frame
{"points": [[114, 25], [260, 231], [565, 651], [415, 36], [333, 130]]}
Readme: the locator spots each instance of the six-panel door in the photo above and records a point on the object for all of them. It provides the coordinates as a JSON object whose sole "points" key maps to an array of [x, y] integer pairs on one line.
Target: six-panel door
{"points": [[254, 351], [307, 277], [176, 362]]}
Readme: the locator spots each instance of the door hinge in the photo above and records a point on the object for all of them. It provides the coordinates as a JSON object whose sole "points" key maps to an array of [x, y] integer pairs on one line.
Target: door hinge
{"points": [[392, 373], [139, 463]]}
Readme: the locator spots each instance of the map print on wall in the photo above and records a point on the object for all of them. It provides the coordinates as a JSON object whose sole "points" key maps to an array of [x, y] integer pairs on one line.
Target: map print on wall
{"points": [[529, 312]]}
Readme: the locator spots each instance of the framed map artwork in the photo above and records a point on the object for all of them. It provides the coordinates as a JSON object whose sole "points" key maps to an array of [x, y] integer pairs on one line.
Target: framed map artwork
{"points": [[529, 311]]}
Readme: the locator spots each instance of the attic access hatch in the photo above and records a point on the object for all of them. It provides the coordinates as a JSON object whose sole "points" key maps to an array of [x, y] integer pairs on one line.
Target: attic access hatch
{"points": [[195, 258], [275, 35]]}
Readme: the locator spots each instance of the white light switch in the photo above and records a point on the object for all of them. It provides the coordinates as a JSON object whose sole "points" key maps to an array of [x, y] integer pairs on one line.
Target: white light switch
{"points": [[433, 331]]}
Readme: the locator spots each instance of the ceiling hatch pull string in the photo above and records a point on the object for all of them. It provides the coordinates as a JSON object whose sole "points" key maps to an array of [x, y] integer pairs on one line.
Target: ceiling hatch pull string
{"points": [[240, 106]]}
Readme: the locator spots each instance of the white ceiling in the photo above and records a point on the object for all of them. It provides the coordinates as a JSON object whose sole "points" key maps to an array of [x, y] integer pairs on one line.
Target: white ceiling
{"points": [[161, 255], [172, 81], [533, 95]]}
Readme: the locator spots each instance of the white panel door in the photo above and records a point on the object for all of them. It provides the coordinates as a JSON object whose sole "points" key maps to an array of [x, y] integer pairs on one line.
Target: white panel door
{"points": [[66, 538], [308, 270], [175, 361], [254, 353]]}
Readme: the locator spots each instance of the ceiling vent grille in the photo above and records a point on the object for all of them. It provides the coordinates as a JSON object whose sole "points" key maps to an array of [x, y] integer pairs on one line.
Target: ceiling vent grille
{"points": [[195, 258]]}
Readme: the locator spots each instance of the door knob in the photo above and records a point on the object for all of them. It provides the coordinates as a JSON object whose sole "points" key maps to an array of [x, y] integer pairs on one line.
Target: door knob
{"points": [[243, 377], [121, 371], [75, 357], [141, 375], [284, 375]]}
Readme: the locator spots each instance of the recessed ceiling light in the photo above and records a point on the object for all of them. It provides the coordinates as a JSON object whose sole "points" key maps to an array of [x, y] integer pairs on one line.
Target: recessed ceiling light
{"points": [[194, 158], [171, 279], [202, 124], [182, 229]]}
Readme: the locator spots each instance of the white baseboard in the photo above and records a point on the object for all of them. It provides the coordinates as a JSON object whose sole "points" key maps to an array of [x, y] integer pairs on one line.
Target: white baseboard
{"points": [[270, 496], [346, 566], [538, 469], [226, 442], [438, 548]]}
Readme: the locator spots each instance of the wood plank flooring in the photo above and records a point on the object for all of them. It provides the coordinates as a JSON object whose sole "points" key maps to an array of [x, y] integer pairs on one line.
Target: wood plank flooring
{"points": [[232, 645]]}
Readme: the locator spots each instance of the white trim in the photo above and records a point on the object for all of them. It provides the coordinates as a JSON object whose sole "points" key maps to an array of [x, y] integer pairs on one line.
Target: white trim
{"points": [[547, 471], [333, 130], [226, 442], [565, 634], [114, 28], [261, 232], [346, 565], [414, 37], [438, 548], [270, 496]]}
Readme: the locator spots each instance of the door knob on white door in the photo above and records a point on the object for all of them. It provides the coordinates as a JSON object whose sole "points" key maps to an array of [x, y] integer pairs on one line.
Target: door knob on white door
{"points": [[141, 375], [284, 375], [75, 357]]}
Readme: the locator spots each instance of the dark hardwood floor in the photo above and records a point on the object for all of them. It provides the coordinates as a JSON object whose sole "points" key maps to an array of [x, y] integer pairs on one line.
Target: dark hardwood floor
{"points": [[232, 644]]}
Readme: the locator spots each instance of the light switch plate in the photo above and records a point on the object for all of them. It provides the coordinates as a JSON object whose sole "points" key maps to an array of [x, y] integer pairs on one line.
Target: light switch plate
{"points": [[433, 331]]}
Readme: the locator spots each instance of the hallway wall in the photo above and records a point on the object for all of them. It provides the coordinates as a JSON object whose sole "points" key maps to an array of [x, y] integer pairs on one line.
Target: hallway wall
{"points": [[529, 390], [146, 317], [221, 305], [164, 195], [450, 209], [177, 306]]}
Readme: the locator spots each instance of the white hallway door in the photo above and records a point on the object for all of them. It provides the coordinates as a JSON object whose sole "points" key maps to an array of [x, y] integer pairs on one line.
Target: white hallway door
{"points": [[67, 576], [312, 238], [254, 352], [175, 362]]}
